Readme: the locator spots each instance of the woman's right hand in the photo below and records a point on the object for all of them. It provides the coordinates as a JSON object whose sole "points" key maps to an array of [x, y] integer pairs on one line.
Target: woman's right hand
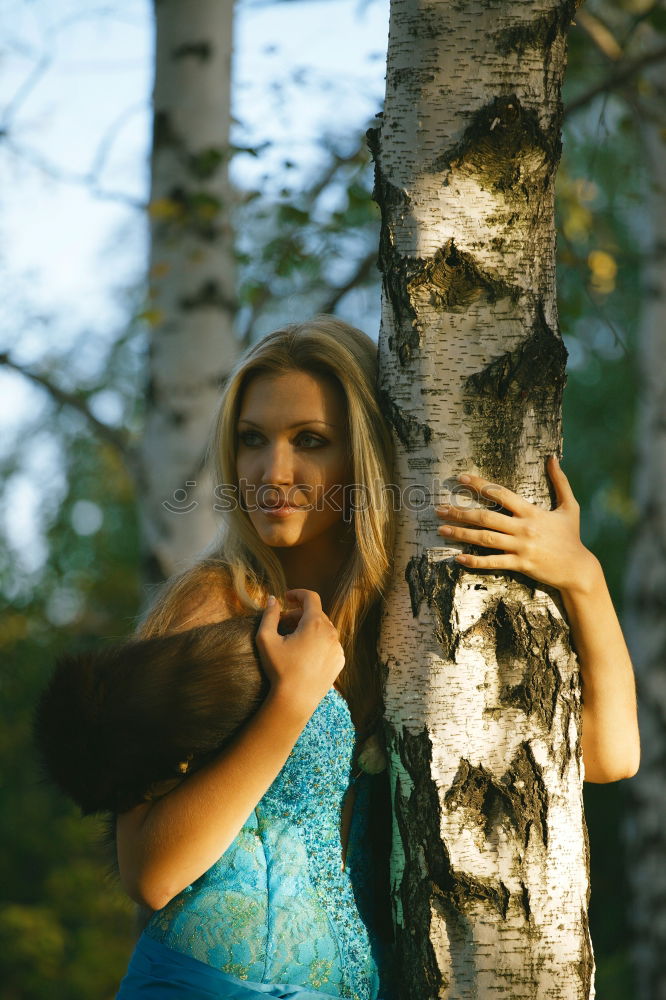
{"points": [[304, 664]]}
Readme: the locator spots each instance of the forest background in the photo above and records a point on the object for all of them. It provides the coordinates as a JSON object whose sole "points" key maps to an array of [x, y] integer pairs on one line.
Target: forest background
{"points": [[74, 144]]}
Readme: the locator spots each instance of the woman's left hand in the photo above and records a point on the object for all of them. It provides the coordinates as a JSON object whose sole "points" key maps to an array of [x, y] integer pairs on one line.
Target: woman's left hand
{"points": [[542, 544]]}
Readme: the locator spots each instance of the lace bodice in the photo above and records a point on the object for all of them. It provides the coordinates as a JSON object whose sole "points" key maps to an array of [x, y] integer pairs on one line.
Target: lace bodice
{"points": [[278, 905]]}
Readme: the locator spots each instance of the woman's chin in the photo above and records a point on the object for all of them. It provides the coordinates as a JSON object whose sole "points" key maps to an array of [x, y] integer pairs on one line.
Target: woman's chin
{"points": [[278, 534]]}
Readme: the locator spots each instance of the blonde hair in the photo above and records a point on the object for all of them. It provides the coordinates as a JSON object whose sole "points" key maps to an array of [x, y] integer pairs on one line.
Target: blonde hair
{"points": [[326, 347]]}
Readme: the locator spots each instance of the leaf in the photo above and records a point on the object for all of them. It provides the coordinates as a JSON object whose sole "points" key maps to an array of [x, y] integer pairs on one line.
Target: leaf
{"points": [[657, 18], [164, 209]]}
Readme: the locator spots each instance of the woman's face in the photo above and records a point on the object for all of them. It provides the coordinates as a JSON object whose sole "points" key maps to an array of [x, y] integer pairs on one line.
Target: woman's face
{"points": [[292, 460]]}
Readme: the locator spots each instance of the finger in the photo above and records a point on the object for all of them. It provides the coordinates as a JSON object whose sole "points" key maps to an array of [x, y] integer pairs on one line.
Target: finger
{"points": [[291, 618], [309, 599], [563, 492], [477, 515], [474, 536], [292, 613], [501, 495], [269, 618], [289, 621], [490, 563]]}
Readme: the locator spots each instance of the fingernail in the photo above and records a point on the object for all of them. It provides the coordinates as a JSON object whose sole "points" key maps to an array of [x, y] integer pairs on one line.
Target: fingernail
{"points": [[271, 601], [464, 479]]}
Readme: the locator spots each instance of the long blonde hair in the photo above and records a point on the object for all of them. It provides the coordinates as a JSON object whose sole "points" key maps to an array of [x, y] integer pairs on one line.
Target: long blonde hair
{"points": [[323, 346]]}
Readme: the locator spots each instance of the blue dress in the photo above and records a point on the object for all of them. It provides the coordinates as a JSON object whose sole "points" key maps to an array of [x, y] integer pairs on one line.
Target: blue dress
{"points": [[277, 914]]}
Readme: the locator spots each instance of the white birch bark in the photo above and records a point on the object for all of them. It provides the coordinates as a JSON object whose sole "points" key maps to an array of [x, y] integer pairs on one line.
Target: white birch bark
{"points": [[490, 866], [645, 601], [191, 277]]}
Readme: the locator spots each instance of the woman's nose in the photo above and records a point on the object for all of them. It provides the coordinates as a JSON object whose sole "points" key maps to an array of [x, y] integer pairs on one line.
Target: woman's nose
{"points": [[278, 464]]}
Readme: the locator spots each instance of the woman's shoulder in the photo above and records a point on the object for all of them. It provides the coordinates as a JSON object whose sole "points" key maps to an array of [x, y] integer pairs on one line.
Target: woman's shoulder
{"points": [[201, 595]]}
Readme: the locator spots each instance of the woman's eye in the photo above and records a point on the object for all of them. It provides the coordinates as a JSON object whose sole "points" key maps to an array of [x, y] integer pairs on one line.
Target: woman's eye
{"points": [[253, 439], [310, 440], [306, 439], [245, 437]]}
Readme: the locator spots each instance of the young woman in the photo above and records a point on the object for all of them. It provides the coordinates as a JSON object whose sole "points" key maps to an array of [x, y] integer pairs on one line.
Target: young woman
{"points": [[260, 868]]}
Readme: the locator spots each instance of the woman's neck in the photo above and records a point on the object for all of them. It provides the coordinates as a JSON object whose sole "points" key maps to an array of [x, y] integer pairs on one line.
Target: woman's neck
{"points": [[315, 566]]}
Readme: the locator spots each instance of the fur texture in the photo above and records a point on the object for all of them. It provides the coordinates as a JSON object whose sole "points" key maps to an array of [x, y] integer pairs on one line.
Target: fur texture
{"points": [[113, 724]]}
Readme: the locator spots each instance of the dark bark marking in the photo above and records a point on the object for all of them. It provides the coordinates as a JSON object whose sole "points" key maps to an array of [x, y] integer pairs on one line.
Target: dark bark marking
{"points": [[585, 965], [205, 164], [524, 638], [193, 50], [152, 570], [427, 865], [209, 295], [402, 75], [164, 134], [518, 798], [572, 704], [434, 583], [455, 280], [540, 360], [506, 149], [393, 201], [467, 889], [429, 881], [532, 375], [409, 430], [429, 878], [196, 210], [586, 852], [538, 33]]}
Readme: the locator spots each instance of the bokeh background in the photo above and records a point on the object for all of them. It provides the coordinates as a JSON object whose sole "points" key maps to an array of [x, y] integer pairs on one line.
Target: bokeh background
{"points": [[75, 133]]}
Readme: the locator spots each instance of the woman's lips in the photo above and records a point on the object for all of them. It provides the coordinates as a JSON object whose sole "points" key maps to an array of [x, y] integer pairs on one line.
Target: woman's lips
{"points": [[278, 511]]}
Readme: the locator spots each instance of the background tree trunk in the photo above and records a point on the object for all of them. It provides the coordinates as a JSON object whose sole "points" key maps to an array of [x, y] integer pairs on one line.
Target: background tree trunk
{"points": [[192, 297], [645, 602], [490, 873]]}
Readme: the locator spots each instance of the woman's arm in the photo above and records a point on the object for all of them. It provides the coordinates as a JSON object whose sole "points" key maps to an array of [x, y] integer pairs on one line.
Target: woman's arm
{"points": [[546, 545], [165, 845], [610, 739]]}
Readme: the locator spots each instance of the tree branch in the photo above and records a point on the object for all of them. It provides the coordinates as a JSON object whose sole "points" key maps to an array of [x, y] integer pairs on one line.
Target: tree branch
{"points": [[24, 91], [118, 439], [360, 274], [600, 35], [88, 180], [622, 74]]}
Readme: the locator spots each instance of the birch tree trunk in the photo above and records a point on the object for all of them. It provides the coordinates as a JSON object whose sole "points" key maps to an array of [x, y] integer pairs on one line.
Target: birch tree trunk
{"points": [[191, 278], [490, 860], [645, 601]]}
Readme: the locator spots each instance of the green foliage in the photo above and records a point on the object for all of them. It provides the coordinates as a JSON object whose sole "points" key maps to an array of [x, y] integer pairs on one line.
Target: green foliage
{"points": [[311, 246], [601, 185], [66, 928], [206, 163]]}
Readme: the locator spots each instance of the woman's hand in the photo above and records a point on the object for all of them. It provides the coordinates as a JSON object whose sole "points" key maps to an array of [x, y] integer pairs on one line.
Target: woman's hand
{"points": [[546, 545], [542, 544], [165, 845], [304, 663]]}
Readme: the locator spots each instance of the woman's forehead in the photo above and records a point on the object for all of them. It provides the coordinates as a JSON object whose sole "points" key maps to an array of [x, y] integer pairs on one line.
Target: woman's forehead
{"points": [[292, 398]]}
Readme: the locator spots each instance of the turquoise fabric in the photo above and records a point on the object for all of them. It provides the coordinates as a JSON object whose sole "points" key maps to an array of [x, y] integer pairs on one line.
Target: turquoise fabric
{"points": [[161, 973], [278, 907]]}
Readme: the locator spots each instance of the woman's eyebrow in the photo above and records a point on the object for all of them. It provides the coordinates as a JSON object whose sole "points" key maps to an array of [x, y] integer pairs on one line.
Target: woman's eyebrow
{"points": [[244, 420]]}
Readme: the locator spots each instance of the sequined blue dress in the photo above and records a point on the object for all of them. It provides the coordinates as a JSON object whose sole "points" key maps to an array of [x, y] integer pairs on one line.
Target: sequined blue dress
{"points": [[277, 914]]}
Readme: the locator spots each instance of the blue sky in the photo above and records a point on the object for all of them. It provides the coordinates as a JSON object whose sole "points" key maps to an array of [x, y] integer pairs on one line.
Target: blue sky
{"points": [[75, 80]]}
